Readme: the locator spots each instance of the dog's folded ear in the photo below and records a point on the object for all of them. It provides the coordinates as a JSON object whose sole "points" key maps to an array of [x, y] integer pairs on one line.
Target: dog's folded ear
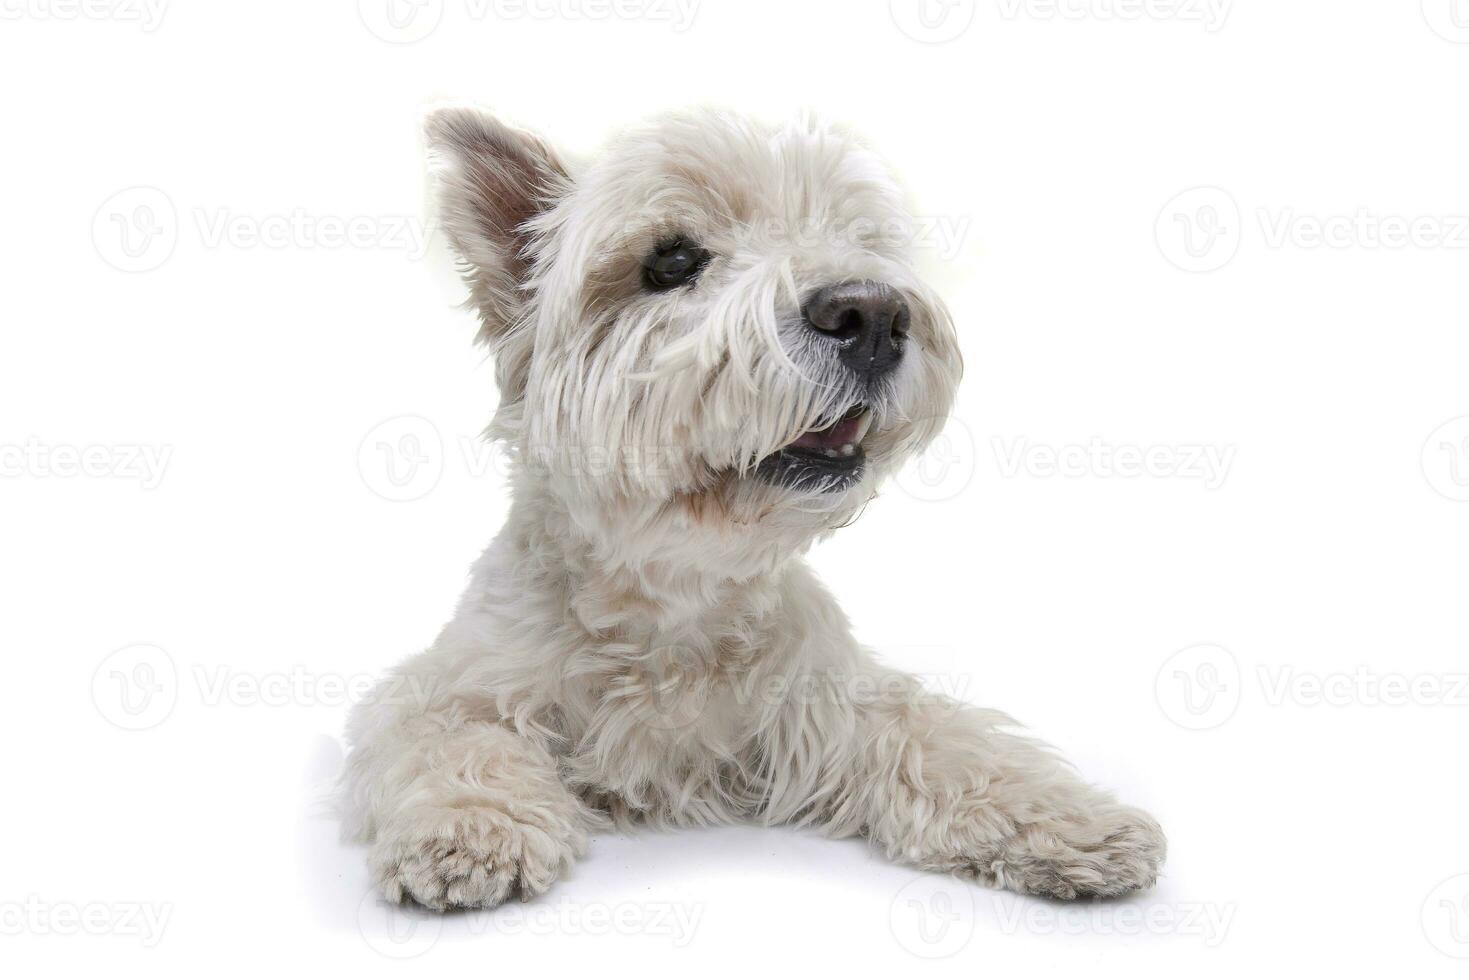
{"points": [[491, 181]]}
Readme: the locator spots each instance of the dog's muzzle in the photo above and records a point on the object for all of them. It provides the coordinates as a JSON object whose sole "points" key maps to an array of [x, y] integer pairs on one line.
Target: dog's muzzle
{"points": [[868, 321], [825, 459]]}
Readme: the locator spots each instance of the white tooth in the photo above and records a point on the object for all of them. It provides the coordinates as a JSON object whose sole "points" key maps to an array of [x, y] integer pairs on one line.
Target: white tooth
{"points": [[863, 425], [829, 453], [849, 450]]}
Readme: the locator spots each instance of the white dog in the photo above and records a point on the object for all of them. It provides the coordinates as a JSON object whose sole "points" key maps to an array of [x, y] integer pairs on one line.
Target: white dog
{"points": [[711, 347]]}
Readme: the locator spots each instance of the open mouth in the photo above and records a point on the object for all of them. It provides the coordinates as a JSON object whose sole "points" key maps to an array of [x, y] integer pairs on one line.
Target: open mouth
{"points": [[829, 458]]}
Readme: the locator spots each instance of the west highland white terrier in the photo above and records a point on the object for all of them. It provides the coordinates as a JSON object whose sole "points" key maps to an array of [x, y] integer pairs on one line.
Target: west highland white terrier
{"points": [[711, 347]]}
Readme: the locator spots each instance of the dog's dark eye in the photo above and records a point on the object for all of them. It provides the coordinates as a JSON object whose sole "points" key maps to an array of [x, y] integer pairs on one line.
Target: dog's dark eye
{"points": [[674, 264]]}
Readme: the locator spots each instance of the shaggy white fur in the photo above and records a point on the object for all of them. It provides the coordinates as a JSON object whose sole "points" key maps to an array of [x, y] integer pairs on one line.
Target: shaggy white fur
{"points": [[643, 642]]}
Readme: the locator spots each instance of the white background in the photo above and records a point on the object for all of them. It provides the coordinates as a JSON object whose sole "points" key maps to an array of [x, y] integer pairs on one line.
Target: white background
{"points": [[212, 411]]}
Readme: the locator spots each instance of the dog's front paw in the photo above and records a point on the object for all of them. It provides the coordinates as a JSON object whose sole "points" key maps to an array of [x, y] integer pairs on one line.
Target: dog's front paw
{"points": [[1108, 851], [469, 857]]}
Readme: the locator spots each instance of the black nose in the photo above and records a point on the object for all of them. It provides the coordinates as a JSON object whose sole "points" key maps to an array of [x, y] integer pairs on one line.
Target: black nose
{"points": [[869, 320]]}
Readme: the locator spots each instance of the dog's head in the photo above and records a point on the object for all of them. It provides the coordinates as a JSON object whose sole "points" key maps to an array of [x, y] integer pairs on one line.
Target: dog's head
{"points": [[714, 318]]}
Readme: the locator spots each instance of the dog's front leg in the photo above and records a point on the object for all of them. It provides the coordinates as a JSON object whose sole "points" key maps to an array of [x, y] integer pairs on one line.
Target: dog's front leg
{"points": [[949, 787], [459, 811]]}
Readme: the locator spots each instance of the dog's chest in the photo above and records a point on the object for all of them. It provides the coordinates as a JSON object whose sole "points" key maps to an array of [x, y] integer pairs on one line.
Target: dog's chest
{"points": [[671, 727]]}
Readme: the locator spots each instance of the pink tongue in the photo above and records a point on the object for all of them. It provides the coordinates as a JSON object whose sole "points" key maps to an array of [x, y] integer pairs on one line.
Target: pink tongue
{"points": [[833, 438]]}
